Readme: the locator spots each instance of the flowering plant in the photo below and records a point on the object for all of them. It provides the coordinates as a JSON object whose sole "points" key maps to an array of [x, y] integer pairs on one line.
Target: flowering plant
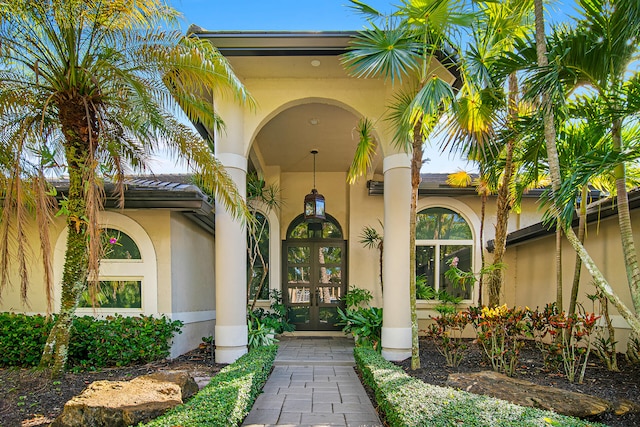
{"points": [[501, 332]]}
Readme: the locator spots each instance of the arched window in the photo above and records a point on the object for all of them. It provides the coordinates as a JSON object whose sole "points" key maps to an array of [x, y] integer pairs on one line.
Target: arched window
{"points": [[327, 229], [258, 258], [442, 235], [128, 275], [118, 247]]}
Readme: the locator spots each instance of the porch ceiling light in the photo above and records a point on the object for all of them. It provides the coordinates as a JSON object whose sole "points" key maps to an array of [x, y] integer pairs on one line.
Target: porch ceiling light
{"points": [[314, 201]]}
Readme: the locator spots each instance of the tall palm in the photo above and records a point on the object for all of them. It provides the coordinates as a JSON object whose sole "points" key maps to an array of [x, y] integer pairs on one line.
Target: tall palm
{"points": [[403, 49], [487, 108], [94, 85], [555, 171]]}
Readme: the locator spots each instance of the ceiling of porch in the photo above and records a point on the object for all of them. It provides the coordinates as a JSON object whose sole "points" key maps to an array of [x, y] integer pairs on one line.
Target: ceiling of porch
{"points": [[287, 140]]}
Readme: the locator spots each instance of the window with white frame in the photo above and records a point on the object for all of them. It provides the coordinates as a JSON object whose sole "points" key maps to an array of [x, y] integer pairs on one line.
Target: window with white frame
{"points": [[120, 253], [443, 236], [128, 278]]}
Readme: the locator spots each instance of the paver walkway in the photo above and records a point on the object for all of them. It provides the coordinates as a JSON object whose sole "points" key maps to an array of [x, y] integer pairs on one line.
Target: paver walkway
{"points": [[313, 383]]}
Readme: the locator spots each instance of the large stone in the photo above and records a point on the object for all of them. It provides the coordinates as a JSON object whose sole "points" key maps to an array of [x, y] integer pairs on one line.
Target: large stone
{"points": [[126, 403], [525, 393], [182, 379]]}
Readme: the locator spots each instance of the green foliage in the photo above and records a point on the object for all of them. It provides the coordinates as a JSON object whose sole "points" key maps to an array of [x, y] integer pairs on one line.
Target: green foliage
{"points": [[227, 399], [120, 341], [360, 319], [357, 297], [277, 317], [501, 332], [259, 334], [446, 333], [95, 343], [22, 339], [407, 401]]}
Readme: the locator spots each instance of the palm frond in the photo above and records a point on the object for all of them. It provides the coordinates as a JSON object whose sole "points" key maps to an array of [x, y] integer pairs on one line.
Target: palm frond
{"points": [[365, 150]]}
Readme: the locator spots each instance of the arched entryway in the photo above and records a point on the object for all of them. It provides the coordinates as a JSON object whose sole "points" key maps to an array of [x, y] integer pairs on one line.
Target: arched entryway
{"points": [[314, 273]]}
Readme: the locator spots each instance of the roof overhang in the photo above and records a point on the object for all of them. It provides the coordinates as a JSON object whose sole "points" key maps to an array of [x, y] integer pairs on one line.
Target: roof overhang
{"points": [[267, 43], [597, 211], [156, 193]]}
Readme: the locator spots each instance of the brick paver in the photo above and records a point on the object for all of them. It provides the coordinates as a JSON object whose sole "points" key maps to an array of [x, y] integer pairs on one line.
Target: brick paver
{"points": [[313, 383]]}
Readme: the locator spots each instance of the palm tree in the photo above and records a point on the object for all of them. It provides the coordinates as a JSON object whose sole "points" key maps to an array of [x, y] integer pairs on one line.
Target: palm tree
{"points": [[487, 108], [94, 85], [404, 49], [554, 165], [598, 54]]}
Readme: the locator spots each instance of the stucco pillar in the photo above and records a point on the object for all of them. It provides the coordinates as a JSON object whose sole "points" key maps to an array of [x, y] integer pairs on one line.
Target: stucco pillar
{"points": [[231, 271], [396, 322], [231, 245]]}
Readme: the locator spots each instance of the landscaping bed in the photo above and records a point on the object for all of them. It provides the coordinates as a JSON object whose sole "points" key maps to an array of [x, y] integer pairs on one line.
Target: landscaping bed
{"points": [[598, 381], [31, 398]]}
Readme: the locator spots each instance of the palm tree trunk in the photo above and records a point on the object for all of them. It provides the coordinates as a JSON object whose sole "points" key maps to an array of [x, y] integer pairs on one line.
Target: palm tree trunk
{"points": [[74, 278], [76, 265], [582, 227], [559, 302], [554, 170], [483, 209], [624, 221], [416, 165], [503, 203]]}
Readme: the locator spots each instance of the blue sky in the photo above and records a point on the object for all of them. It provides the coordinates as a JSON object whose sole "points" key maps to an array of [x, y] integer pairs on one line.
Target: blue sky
{"points": [[308, 15], [292, 15]]}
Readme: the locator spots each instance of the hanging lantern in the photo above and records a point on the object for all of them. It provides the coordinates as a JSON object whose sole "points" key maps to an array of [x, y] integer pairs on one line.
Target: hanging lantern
{"points": [[314, 201]]}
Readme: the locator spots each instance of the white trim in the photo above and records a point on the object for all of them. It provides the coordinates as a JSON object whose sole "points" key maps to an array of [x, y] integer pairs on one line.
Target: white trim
{"points": [[188, 317], [474, 223], [394, 161], [144, 269]]}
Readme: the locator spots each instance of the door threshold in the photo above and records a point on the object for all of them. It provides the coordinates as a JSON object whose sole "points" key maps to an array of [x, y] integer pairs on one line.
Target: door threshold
{"points": [[339, 334]]}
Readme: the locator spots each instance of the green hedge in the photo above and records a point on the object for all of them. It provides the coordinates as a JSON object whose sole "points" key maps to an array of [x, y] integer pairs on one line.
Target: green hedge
{"points": [[95, 343], [227, 399], [407, 401]]}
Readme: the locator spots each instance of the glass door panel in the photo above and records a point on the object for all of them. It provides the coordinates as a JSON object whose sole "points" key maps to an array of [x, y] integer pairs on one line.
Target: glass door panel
{"points": [[314, 283]]}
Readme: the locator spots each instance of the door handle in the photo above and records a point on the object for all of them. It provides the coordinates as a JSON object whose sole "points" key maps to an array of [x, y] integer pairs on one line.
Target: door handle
{"points": [[317, 297]]}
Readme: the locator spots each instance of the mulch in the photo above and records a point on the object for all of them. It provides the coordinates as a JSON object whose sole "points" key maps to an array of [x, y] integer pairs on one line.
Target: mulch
{"points": [[29, 397], [598, 381]]}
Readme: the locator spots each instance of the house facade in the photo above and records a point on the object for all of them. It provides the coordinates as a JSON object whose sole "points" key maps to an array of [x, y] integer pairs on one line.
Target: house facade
{"points": [[191, 259]]}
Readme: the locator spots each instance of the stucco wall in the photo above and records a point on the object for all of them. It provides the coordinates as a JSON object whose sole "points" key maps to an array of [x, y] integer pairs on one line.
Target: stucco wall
{"points": [[192, 277], [531, 271]]}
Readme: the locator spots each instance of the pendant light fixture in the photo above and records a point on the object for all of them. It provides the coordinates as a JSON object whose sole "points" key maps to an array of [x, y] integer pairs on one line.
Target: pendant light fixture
{"points": [[314, 201]]}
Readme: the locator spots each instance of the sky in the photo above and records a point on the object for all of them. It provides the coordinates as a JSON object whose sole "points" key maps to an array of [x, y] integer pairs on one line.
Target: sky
{"points": [[306, 15]]}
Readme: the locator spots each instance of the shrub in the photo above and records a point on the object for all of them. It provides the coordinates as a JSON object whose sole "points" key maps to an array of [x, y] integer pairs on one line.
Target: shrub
{"points": [[120, 341], [501, 333], [22, 339], [360, 319], [227, 399], [407, 401], [95, 343]]}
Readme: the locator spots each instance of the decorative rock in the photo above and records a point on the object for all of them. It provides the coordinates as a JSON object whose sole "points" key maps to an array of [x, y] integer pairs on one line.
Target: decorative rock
{"points": [[624, 406], [119, 403], [182, 379], [525, 393]]}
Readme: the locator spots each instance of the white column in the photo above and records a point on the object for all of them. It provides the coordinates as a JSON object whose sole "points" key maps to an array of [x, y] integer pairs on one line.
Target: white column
{"points": [[396, 322], [231, 270]]}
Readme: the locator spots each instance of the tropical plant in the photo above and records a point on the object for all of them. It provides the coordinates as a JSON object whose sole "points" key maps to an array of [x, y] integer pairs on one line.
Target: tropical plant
{"points": [[265, 197], [277, 317], [93, 86], [630, 10], [370, 238], [404, 48], [360, 319], [486, 109], [259, 333]]}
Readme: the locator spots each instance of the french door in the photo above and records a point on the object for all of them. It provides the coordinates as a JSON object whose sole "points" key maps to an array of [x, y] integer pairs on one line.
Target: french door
{"points": [[314, 281]]}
